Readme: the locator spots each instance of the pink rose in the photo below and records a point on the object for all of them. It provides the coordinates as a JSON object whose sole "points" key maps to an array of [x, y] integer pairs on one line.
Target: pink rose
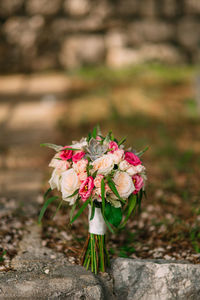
{"points": [[97, 184], [97, 180], [86, 188], [113, 145], [82, 176], [78, 156], [58, 164], [132, 159], [138, 183], [98, 138], [80, 166], [66, 154]]}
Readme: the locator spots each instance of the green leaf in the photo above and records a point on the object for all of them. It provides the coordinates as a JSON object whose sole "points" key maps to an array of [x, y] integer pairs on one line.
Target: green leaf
{"points": [[89, 136], [94, 174], [85, 204], [88, 170], [131, 207], [139, 200], [92, 210], [108, 224], [103, 195], [2, 256], [107, 138], [113, 214], [139, 154], [46, 193], [69, 148], [145, 194], [112, 186], [94, 133], [57, 148], [72, 195], [73, 209], [57, 209], [122, 141], [46, 204]]}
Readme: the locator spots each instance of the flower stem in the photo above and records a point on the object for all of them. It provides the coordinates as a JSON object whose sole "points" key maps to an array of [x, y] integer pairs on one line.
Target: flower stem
{"points": [[95, 255]]}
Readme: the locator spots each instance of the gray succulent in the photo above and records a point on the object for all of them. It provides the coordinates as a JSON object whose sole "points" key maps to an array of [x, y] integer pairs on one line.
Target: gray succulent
{"points": [[94, 149]]}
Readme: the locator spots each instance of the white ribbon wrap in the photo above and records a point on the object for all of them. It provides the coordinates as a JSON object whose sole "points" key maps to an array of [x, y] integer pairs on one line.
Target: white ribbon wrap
{"points": [[97, 225]]}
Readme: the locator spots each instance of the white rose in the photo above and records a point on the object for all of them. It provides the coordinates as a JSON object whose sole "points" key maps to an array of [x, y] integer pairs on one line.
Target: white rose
{"points": [[55, 179], [135, 170], [117, 156], [103, 165], [124, 184], [69, 184], [131, 171], [124, 165], [140, 168]]}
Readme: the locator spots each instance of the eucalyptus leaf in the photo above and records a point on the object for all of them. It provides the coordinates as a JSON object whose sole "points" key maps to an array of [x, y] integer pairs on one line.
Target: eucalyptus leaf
{"points": [[57, 148]]}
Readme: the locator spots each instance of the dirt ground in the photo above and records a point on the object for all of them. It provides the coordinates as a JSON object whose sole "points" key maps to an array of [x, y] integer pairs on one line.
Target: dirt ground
{"points": [[151, 105]]}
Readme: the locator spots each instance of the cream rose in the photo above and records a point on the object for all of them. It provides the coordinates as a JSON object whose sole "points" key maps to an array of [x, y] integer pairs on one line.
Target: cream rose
{"points": [[124, 165], [140, 168], [117, 156], [61, 165], [133, 170], [103, 165], [124, 184], [69, 184], [55, 180]]}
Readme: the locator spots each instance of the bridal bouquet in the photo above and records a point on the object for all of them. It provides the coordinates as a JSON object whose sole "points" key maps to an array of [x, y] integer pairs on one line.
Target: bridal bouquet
{"points": [[99, 173]]}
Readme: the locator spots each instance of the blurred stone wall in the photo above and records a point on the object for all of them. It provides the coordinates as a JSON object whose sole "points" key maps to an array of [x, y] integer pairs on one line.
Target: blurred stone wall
{"points": [[48, 34]]}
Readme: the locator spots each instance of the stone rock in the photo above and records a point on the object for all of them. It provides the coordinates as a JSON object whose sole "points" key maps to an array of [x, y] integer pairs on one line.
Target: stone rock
{"points": [[124, 56], [127, 7], [161, 52], [43, 7], [10, 7], [188, 32], [169, 8], [191, 6], [38, 276], [62, 26], [77, 7], [78, 50], [155, 280], [23, 31], [144, 31], [147, 8], [116, 38]]}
